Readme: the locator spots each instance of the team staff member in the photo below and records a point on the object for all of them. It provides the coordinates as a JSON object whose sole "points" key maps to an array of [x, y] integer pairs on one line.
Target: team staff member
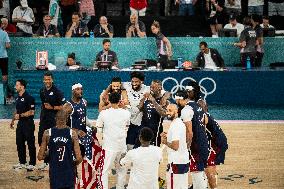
{"points": [[52, 100], [64, 152], [25, 108]]}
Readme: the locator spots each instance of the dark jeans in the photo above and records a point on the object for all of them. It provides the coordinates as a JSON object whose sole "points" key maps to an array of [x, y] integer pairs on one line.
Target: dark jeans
{"points": [[244, 57], [186, 9], [25, 132], [258, 59]]}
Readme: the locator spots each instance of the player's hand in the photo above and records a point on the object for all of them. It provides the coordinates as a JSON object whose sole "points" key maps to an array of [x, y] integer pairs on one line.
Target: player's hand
{"points": [[48, 106], [164, 139], [81, 133], [165, 98], [146, 95], [12, 125], [17, 116], [121, 104]]}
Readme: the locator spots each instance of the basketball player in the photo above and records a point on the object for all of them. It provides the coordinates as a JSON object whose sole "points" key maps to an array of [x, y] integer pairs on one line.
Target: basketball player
{"points": [[216, 137], [77, 109], [153, 106], [145, 162], [114, 121], [219, 145], [115, 86], [52, 100], [192, 116], [135, 92], [25, 108], [175, 140], [62, 143]]}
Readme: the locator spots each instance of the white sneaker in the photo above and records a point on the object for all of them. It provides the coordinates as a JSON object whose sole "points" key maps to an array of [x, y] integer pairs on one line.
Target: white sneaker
{"points": [[19, 166], [30, 167], [43, 166]]}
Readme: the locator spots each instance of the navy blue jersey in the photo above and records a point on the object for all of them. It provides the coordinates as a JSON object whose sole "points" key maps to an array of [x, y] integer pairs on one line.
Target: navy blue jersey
{"points": [[54, 97], [151, 118], [61, 166], [199, 144], [25, 103], [78, 115], [217, 139]]}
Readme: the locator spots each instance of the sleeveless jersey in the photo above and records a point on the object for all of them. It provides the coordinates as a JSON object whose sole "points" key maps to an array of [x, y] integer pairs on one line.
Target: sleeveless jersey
{"points": [[78, 115], [61, 169]]}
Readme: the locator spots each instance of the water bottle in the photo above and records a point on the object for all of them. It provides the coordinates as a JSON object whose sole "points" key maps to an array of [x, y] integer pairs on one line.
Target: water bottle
{"points": [[179, 62], [248, 63], [92, 35]]}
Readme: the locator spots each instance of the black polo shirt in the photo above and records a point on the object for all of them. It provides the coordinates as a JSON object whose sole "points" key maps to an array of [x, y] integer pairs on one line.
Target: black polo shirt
{"points": [[100, 32], [107, 56], [54, 97], [25, 103], [51, 30]]}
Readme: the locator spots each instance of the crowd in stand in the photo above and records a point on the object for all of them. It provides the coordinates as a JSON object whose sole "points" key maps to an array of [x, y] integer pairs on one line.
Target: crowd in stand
{"points": [[25, 16]]}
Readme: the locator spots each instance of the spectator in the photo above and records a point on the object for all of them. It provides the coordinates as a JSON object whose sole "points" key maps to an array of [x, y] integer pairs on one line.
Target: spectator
{"points": [[87, 9], [77, 28], [255, 7], [233, 7], [68, 7], [7, 27], [4, 8], [164, 47], [256, 20], [4, 45], [233, 24], [135, 28], [47, 29], [247, 43], [107, 55], [138, 7], [55, 14], [186, 7], [24, 17], [276, 7], [215, 9], [209, 58], [265, 22], [71, 60], [103, 29]]}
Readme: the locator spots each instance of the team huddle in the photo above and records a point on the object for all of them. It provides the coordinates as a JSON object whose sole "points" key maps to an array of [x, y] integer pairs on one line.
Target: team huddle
{"points": [[136, 122]]}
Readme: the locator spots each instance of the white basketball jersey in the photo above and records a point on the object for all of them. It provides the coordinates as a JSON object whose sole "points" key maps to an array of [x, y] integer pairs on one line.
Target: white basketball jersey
{"points": [[134, 98]]}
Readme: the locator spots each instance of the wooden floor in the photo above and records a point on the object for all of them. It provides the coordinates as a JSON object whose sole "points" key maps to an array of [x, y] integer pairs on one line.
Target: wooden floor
{"points": [[255, 159]]}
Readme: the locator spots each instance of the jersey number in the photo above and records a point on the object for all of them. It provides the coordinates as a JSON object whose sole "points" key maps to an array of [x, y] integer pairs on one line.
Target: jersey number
{"points": [[61, 151]]}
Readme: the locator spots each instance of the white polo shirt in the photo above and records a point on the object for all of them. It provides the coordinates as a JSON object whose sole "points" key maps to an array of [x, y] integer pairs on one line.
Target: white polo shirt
{"points": [[177, 131], [209, 63], [115, 124], [145, 170]]}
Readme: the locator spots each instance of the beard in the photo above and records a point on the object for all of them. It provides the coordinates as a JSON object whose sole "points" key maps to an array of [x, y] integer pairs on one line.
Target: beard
{"points": [[170, 117]]}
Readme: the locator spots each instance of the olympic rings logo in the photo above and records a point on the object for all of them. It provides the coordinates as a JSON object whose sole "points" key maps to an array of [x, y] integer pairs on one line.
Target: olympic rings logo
{"points": [[182, 86]]}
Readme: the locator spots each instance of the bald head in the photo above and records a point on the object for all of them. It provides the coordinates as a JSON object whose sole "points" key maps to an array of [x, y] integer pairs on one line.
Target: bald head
{"points": [[61, 118], [172, 111], [103, 20]]}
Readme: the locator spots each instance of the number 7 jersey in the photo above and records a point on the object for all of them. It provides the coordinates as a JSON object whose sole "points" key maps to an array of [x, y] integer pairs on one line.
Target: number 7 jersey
{"points": [[61, 166]]}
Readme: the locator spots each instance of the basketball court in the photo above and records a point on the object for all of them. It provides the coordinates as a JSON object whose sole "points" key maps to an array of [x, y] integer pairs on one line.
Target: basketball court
{"points": [[254, 160]]}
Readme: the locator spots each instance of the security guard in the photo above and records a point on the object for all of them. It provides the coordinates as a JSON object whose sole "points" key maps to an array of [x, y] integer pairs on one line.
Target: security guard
{"points": [[25, 108], [52, 100]]}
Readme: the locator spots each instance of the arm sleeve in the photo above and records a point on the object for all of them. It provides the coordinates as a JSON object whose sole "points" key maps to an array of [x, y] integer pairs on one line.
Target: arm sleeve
{"points": [[7, 39], [110, 28], [32, 103], [115, 57], [142, 27], [187, 114], [243, 36], [60, 98]]}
